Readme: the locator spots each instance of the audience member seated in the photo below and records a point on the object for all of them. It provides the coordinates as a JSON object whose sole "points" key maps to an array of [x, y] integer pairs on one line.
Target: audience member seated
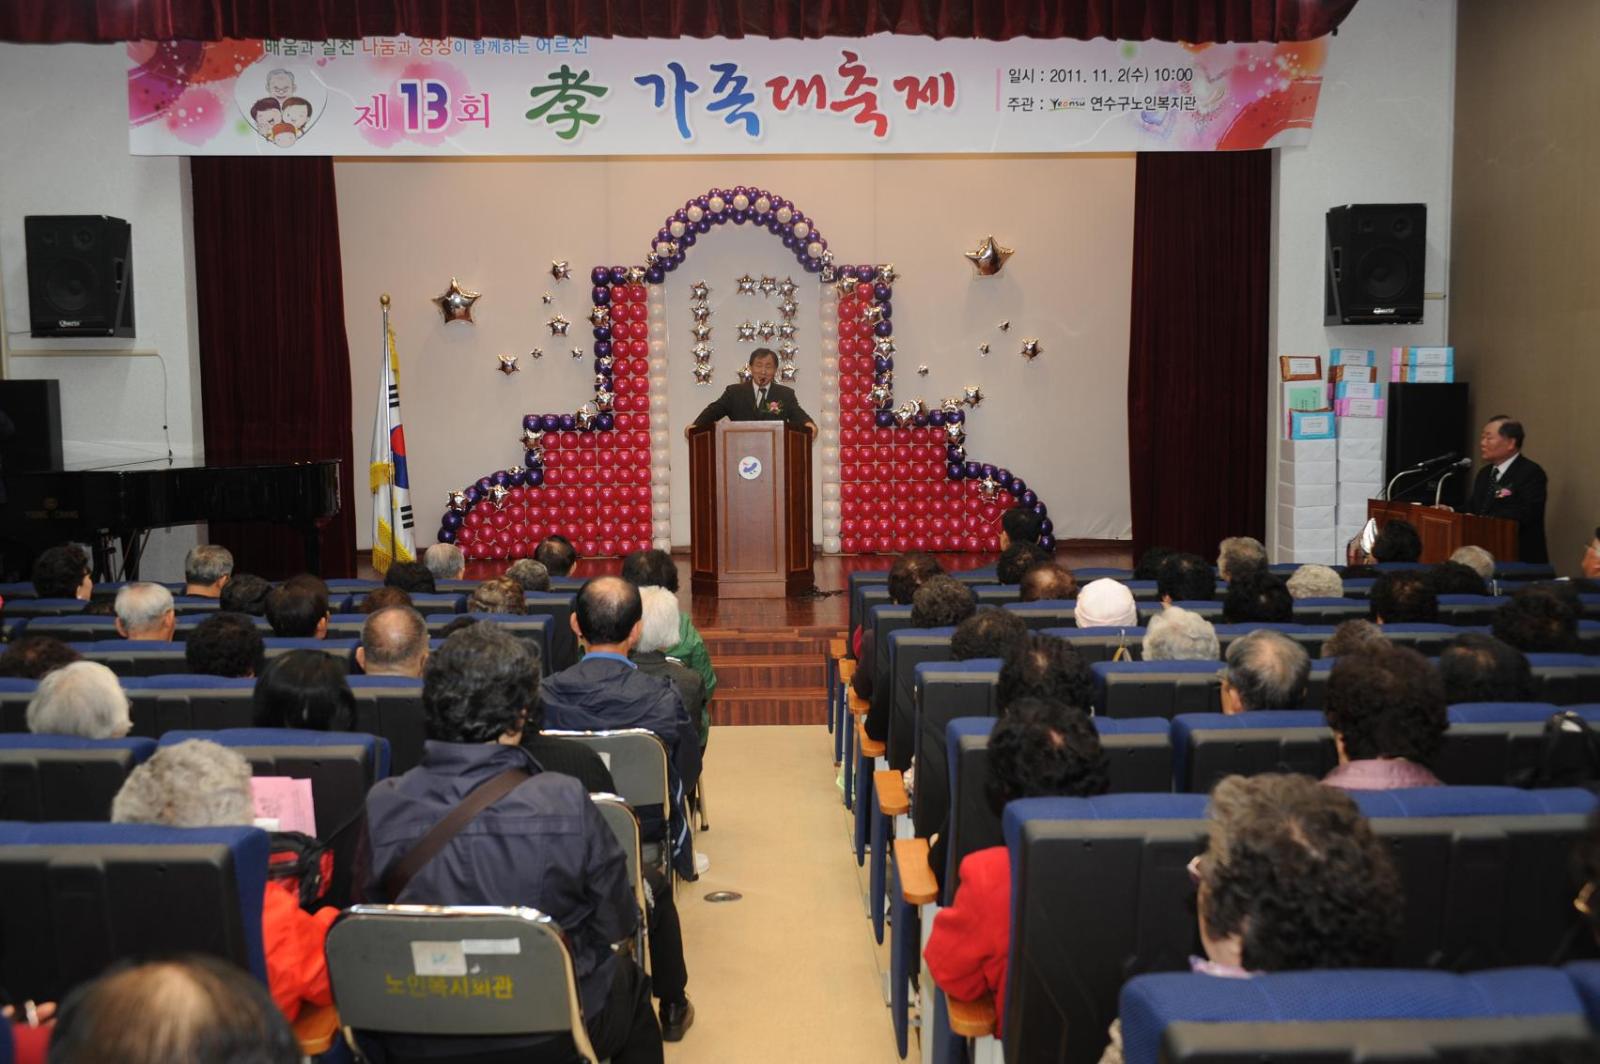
{"points": [[1388, 714], [1047, 667], [225, 644], [542, 844], [1105, 603], [1257, 596], [1454, 578], [655, 568], [557, 555], [532, 575], [198, 784], [1018, 559], [606, 691], [942, 602], [1019, 525], [1350, 637], [381, 598], [1398, 541], [305, 689], [1148, 567], [1237, 554], [658, 634], [1478, 560], [989, 633], [1590, 562], [1177, 634], [298, 611], [1039, 749], [445, 561], [1292, 878], [32, 656], [1047, 582], [84, 699], [1403, 597], [1481, 668], [196, 1009], [909, 572], [1537, 620], [1265, 670], [499, 594], [414, 578], [1315, 581], [246, 593], [145, 613], [63, 573], [1185, 578], [394, 642], [207, 568]]}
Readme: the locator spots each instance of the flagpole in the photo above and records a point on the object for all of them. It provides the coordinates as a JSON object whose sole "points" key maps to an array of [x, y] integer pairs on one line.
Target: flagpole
{"points": [[388, 349]]}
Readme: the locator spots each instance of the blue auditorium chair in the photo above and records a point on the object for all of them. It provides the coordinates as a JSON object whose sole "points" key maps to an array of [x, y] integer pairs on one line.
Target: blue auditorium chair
{"points": [[1156, 688], [65, 777], [1046, 613]]}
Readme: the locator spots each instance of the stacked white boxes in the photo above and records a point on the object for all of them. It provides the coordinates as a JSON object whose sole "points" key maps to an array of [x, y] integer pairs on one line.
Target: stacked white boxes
{"points": [[1360, 447], [1307, 499]]}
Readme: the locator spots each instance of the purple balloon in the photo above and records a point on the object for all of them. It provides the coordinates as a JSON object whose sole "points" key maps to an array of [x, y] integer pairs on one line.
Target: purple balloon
{"points": [[501, 478], [1003, 475], [451, 519], [1016, 486], [957, 417], [884, 328], [865, 273], [601, 295], [473, 494], [1028, 498], [936, 418], [484, 484], [672, 264], [598, 368], [809, 264], [887, 308], [568, 422], [881, 291], [619, 275], [1046, 527], [687, 239], [535, 477], [1042, 510], [789, 241], [605, 422], [680, 215], [447, 535], [655, 275], [599, 276], [739, 217], [953, 454], [987, 470], [551, 422], [955, 471], [703, 225], [530, 421], [882, 363], [920, 421], [975, 471], [703, 202], [719, 218], [884, 419], [602, 332], [519, 479], [532, 460], [602, 347], [1048, 542]]}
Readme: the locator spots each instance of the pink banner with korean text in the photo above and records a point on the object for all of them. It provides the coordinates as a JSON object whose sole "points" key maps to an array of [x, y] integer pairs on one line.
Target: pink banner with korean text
{"points": [[583, 96]]}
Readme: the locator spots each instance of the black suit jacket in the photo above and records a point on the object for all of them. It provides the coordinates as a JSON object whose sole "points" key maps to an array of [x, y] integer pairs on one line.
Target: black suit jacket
{"points": [[1519, 497], [738, 403]]}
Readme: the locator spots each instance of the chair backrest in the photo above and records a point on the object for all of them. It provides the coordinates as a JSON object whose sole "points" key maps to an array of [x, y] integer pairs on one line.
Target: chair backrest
{"points": [[1046, 613], [454, 971], [176, 701], [882, 620], [391, 707], [1156, 688], [75, 627], [558, 606], [1565, 679], [1101, 644], [1310, 636], [994, 594], [135, 657], [534, 628], [1208, 746], [1484, 871], [909, 648], [624, 824], [636, 758], [1469, 610], [1428, 639], [342, 649], [945, 690], [1340, 1015], [63, 777], [1330, 611], [80, 896], [1210, 609], [15, 694]]}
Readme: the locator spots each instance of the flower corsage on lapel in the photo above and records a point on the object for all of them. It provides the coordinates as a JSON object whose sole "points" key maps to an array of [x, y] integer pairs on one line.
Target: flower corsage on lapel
{"points": [[1503, 493], [775, 407]]}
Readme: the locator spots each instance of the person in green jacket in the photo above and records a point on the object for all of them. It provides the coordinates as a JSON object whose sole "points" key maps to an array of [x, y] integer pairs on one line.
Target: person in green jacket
{"points": [[655, 568]]}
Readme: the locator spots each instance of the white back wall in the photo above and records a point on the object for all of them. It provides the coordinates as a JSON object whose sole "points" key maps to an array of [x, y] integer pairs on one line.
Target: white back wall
{"points": [[65, 128], [1059, 422]]}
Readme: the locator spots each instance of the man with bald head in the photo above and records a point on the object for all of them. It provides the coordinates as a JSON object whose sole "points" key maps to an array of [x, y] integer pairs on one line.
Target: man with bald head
{"points": [[394, 642]]}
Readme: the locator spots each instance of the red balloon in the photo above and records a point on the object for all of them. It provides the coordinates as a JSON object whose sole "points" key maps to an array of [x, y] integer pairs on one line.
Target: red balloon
{"points": [[885, 544], [619, 294], [639, 331], [850, 545], [589, 546], [920, 506], [884, 525], [473, 518], [637, 293], [901, 507]]}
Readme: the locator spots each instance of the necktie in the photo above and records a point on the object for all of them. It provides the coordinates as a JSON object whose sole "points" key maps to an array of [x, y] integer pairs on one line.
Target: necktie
{"points": [[761, 396], [1497, 475]]}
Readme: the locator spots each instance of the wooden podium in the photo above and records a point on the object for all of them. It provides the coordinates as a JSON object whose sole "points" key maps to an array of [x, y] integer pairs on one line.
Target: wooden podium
{"points": [[1443, 531], [750, 497]]}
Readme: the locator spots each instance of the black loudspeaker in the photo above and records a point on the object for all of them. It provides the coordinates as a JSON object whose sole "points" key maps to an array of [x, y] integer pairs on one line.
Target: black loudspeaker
{"points": [[1375, 258], [80, 275], [34, 407], [1427, 421]]}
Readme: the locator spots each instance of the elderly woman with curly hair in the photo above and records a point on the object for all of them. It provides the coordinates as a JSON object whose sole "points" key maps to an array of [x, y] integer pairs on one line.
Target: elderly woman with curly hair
{"points": [[1038, 749], [1292, 878], [1387, 709]]}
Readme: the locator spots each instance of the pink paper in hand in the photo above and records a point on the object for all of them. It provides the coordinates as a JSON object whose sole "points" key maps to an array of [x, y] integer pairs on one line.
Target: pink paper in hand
{"points": [[286, 800]]}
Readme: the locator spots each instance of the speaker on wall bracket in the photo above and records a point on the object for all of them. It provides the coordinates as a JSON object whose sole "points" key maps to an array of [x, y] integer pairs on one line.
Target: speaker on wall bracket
{"points": [[1375, 258], [80, 275]]}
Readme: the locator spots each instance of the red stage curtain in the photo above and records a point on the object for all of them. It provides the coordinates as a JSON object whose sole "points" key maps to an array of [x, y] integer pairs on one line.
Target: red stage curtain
{"points": [[1197, 359], [274, 361], [1196, 21]]}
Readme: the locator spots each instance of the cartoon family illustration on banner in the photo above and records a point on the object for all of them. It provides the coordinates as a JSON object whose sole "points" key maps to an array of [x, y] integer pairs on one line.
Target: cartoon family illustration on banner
{"points": [[282, 103]]}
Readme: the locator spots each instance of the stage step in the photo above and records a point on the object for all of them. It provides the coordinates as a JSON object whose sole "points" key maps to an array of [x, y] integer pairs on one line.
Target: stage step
{"points": [[769, 675]]}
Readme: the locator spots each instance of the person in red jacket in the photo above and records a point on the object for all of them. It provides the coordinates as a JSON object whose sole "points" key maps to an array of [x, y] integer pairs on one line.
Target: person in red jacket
{"points": [[1040, 748]]}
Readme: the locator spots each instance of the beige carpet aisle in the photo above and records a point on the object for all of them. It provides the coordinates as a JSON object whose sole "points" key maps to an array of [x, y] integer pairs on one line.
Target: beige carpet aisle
{"points": [[789, 973]]}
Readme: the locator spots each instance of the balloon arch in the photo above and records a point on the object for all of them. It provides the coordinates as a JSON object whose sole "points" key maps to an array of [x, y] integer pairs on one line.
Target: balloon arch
{"points": [[894, 478]]}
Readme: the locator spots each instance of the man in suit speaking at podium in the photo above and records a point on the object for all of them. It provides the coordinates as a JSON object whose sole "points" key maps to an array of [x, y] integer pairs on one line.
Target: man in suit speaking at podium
{"points": [[1511, 486], [759, 400]]}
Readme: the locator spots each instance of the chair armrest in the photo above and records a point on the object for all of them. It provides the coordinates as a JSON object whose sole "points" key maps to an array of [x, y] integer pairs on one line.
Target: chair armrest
{"points": [[890, 786], [917, 885], [315, 1028], [857, 705], [836, 648], [868, 746], [971, 1019], [847, 670]]}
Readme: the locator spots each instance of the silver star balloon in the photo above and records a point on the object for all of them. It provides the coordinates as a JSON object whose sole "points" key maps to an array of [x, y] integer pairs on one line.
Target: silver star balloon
{"points": [[950, 404], [956, 453], [700, 312], [702, 373], [904, 413], [585, 416], [636, 274], [788, 308], [605, 361], [700, 290], [558, 325], [560, 270], [786, 330], [787, 371], [602, 380], [827, 258], [922, 371], [873, 314], [701, 352], [954, 432], [747, 285], [458, 501], [497, 496], [599, 317], [827, 275], [603, 400], [972, 395], [886, 274], [455, 303], [515, 470], [534, 455], [578, 352], [547, 299], [883, 345], [536, 353], [744, 374], [1004, 326], [767, 285], [766, 330], [983, 349], [701, 331], [988, 258], [787, 288], [846, 286], [880, 395], [788, 348], [1030, 349], [508, 364], [652, 259], [988, 487], [747, 332], [532, 437]]}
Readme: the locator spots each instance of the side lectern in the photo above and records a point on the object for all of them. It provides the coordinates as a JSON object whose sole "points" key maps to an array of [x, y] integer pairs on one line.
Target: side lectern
{"points": [[750, 493], [1444, 532]]}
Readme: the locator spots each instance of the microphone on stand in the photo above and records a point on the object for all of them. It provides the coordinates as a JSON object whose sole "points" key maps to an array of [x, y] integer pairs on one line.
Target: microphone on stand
{"points": [[1438, 491], [1450, 456]]}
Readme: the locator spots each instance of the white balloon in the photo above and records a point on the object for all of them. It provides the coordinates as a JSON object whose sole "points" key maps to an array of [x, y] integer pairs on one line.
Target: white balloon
{"points": [[658, 402], [660, 510], [830, 420], [785, 214], [695, 213], [658, 347], [830, 491], [830, 364], [658, 328], [660, 476], [717, 204], [830, 472], [814, 250], [661, 438], [657, 292], [741, 202], [763, 204], [657, 309], [660, 493], [661, 457], [830, 526], [661, 543], [658, 382], [831, 544], [829, 329], [662, 528], [677, 229], [802, 230], [830, 455], [830, 508], [830, 435]]}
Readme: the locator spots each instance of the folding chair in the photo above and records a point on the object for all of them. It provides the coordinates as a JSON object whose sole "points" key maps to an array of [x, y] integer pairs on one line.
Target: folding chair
{"points": [[624, 824], [637, 760], [407, 969]]}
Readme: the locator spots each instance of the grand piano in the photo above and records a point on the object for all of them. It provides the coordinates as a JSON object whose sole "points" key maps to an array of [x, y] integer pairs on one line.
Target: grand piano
{"points": [[99, 504]]}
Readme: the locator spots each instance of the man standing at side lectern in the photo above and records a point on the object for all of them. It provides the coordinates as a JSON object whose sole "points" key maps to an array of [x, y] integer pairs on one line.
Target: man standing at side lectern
{"points": [[1511, 485], [760, 400]]}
